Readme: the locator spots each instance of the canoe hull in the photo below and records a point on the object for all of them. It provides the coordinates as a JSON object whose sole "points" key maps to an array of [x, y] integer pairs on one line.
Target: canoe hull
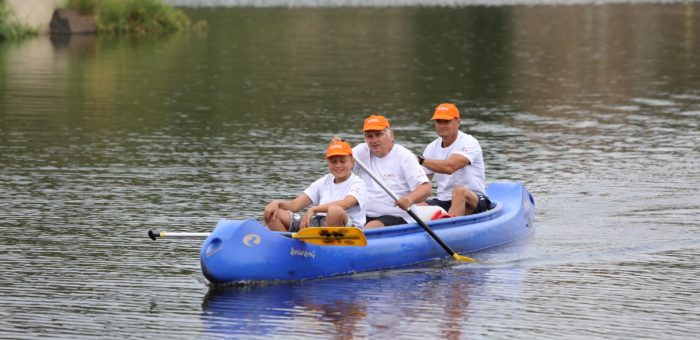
{"points": [[238, 251]]}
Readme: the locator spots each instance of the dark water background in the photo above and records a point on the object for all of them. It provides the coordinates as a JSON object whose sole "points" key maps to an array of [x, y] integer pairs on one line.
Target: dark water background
{"points": [[594, 107]]}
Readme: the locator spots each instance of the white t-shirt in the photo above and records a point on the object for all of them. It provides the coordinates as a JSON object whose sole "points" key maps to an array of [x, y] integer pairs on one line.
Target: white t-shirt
{"points": [[400, 172], [471, 176], [325, 190]]}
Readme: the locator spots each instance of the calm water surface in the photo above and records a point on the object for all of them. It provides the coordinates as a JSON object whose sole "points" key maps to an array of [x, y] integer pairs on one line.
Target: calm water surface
{"points": [[594, 107]]}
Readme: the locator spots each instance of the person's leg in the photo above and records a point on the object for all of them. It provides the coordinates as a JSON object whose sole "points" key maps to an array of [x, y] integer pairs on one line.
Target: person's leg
{"points": [[383, 221], [464, 202], [280, 221], [317, 221], [336, 216], [442, 204], [375, 223]]}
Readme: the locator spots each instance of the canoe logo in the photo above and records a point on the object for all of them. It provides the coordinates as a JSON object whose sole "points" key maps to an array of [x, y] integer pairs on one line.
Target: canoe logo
{"points": [[251, 240], [302, 253]]}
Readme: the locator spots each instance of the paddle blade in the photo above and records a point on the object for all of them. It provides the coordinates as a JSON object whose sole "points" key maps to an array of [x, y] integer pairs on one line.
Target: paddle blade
{"points": [[463, 258], [332, 236]]}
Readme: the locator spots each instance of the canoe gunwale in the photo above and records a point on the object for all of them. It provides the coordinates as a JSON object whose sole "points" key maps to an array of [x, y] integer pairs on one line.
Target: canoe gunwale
{"points": [[441, 224]]}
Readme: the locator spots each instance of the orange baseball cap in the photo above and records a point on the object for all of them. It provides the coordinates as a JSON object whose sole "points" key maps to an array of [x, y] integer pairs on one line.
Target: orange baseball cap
{"points": [[446, 111], [338, 149], [376, 123]]}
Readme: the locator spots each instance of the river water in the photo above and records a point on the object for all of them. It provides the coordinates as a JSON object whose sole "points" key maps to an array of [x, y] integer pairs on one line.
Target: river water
{"points": [[595, 107]]}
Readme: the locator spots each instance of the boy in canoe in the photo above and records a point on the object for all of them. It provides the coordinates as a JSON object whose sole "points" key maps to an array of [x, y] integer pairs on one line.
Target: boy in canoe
{"points": [[337, 199], [456, 163]]}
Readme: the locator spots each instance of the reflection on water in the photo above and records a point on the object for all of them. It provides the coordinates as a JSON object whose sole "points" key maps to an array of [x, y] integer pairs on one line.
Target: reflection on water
{"points": [[259, 310], [357, 306], [594, 107]]}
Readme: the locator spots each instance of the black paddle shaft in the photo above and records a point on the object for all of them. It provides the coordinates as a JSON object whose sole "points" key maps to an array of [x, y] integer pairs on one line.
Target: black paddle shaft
{"points": [[431, 232], [410, 212]]}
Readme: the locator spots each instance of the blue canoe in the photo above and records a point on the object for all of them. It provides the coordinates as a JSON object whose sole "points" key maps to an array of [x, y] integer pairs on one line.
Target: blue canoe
{"points": [[240, 251]]}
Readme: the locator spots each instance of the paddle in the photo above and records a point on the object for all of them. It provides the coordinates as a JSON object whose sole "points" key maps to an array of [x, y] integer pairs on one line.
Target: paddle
{"points": [[155, 234], [332, 236], [415, 217], [324, 236]]}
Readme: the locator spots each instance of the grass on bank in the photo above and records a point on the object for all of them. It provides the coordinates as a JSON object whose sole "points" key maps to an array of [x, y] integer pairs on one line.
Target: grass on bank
{"points": [[132, 16], [10, 29]]}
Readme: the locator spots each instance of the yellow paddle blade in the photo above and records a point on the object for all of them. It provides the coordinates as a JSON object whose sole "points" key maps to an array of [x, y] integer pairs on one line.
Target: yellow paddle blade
{"points": [[332, 236], [463, 258]]}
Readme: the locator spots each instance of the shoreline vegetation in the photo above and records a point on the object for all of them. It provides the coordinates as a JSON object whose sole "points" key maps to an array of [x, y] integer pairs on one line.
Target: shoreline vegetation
{"points": [[110, 16], [133, 16], [10, 29]]}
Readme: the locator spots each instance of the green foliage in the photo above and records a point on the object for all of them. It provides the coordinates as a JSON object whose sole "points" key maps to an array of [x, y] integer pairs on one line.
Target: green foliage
{"points": [[83, 6], [9, 29], [138, 16]]}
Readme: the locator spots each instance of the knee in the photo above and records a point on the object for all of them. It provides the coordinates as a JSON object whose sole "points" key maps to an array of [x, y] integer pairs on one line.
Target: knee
{"points": [[374, 224], [335, 210], [273, 217], [460, 193]]}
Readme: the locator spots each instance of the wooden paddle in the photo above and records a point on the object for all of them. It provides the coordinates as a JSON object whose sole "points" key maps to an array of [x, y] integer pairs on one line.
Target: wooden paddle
{"points": [[414, 216], [324, 236]]}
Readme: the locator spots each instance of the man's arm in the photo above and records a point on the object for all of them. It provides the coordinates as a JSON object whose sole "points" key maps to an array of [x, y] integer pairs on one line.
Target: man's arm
{"points": [[447, 166], [422, 192]]}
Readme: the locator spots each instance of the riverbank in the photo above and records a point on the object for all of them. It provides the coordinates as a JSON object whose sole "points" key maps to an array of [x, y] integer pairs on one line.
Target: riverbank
{"points": [[22, 18], [136, 16], [16, 22]]}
